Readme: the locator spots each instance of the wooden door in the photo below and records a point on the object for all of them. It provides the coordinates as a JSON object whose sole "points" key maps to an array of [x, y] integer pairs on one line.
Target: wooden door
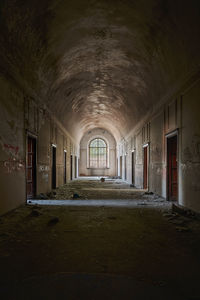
{"points": [[133, 168], [53, 167], [65, 167], [145, 168], [172, 168], [31, 168]]}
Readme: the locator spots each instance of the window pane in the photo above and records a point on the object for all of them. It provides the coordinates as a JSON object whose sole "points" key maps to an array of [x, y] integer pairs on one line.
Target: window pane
{"points": [[98, 153], [94, 143]]}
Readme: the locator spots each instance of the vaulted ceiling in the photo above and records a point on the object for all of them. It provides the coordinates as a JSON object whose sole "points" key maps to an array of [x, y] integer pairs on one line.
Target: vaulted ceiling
{"points": [[99, 63]]}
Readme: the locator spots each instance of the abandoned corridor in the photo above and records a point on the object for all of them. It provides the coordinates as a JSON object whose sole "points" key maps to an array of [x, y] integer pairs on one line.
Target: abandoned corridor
{"points": [[100, 89]]}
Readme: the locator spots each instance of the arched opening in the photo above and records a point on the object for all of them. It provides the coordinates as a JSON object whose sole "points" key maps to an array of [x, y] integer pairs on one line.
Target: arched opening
{"points": [[98, 153]]}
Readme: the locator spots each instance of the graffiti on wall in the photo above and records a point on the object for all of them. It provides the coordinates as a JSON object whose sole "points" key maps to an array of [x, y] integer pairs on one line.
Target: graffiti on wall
{"points": [[11, 148], [13, 165]]}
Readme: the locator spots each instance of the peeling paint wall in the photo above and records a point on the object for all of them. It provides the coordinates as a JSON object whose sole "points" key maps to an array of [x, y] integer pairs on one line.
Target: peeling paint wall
{"points": [[21, 117], [40, 123], [12, 147], [189, 153], [181, 115]]}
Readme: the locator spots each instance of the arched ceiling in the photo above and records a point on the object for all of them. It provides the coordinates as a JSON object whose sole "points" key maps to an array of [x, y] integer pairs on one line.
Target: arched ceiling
{"points": [[99, 63]]}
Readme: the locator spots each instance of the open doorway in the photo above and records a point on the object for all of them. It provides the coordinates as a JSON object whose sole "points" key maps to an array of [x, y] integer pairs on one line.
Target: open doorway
{"points": [[120, 166], [172, 170], [71, 167], [125, 169], [65, 167], [145, 167], [133, 168], [53, 185], [75, 175], [31, 168]]}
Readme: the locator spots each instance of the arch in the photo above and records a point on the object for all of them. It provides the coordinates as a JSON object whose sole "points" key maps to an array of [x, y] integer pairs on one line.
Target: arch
{"points": [[98, 153]]}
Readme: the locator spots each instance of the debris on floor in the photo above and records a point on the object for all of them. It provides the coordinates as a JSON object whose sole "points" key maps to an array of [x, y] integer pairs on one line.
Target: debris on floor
{"points": [[76, 196]]}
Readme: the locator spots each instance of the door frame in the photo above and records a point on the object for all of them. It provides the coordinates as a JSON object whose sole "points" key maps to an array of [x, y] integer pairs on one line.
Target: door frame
{"points": [[29, 134], [168, 136], [53, 146], [65, 167], [75, 166], [133, 167], [120, 166], [71, 166], [147, 147]]}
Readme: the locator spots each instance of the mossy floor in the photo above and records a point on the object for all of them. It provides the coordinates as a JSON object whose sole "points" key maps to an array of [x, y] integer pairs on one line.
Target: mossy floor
{"points": [[99, 253]]}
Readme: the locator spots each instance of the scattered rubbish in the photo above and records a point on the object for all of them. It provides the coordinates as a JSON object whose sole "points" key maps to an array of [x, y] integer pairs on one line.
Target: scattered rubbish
{"points": [[177, 221], [53, 221], [185, 211], [42, 196], [76, 196], [182, 229], [148, 193]]}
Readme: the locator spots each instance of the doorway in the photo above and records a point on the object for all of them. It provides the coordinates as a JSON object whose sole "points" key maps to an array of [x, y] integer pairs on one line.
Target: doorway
{"points": [[145, 167], [31, 168], [75, 175], [53, 167], [172, 170], [120, 166], [133, 168], [125, 171], [71, 168], [65, 167]]}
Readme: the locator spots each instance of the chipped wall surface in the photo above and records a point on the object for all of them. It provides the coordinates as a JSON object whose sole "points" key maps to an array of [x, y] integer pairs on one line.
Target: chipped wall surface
{"points": [[190, 148], [12, 147], [47, 132], [179, 116], [84, 168], [21, 117]]}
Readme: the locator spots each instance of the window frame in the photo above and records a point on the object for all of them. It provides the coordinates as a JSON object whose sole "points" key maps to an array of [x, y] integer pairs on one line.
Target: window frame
{"points": [[88, 153]]}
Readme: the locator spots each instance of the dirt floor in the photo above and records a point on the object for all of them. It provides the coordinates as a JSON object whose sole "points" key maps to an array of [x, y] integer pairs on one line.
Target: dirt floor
{"points": [[100, 252]]}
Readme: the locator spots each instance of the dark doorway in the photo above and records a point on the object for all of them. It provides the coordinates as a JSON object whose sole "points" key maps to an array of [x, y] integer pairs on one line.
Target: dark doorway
{"points": [[31, 167], [53, 167], [71, 168], [121, 166], [65, 167], [172, 178], [125, 171], [145, 168], [75, 175], [133, 168]]}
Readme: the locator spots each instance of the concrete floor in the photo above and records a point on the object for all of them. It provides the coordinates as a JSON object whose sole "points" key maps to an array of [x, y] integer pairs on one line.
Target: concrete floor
{"points": [[140, 251]]}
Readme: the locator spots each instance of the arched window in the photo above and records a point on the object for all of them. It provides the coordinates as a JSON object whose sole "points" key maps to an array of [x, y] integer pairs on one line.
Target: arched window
{"points": [[97, 153]]}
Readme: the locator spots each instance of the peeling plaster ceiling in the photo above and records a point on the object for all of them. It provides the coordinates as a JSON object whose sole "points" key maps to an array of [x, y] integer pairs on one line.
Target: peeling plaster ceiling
{"points": [[102, 63]]}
